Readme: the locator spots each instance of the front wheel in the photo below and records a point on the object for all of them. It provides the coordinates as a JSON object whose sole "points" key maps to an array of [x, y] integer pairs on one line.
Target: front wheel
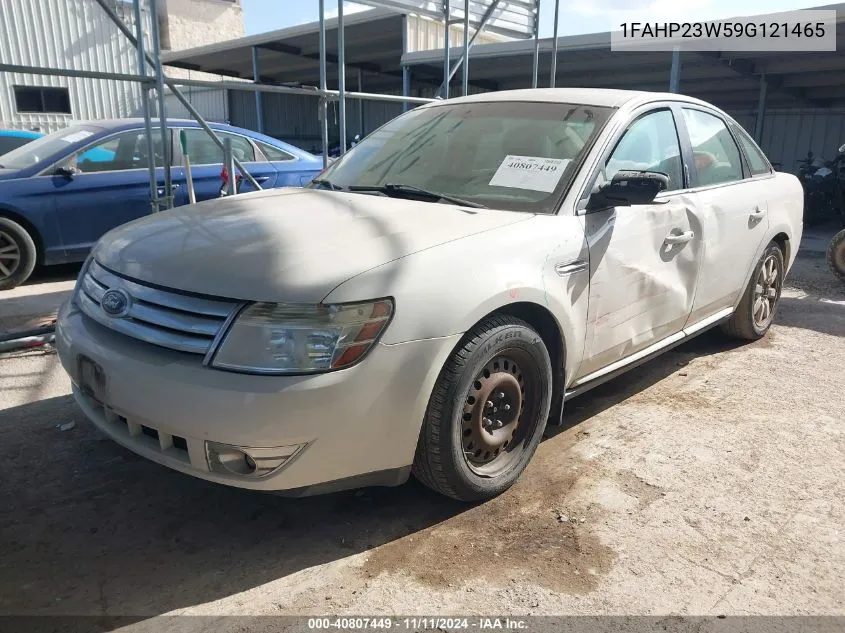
{"points": [[756, 310], [836, 255], [487, 413], [17, 254]]}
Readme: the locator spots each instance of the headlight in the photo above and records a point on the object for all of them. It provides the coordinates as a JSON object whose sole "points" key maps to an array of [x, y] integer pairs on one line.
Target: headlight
{"points": [[277, 338]]}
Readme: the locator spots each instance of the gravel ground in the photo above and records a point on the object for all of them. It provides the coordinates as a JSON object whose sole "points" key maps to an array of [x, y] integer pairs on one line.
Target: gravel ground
{"points": [[708, 481]]}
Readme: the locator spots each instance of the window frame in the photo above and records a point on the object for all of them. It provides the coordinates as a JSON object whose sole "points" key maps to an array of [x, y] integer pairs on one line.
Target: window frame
{"points": [[41, 89], [738, 133], [615, 138], [693, 175], [50, 169], [257, 153], [267, 159]]}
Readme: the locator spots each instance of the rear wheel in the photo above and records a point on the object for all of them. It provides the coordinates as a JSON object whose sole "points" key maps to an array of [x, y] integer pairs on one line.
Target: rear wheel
{"points": [[17, 254], [756, 310], [487, 413], [836, 255]]}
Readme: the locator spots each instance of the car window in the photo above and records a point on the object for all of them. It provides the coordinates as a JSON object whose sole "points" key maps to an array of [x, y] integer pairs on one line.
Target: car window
{"points": [[717, 158], [8, 143], [274, 153], [204, 151], [649, 144], [118, 153], [48, 148], [510, 155], [756, 159]]}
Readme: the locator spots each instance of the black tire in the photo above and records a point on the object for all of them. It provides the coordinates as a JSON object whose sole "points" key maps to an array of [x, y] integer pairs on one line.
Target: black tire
{"points": [[15, 239], [743, 324], [519, 360], [836, 255]]}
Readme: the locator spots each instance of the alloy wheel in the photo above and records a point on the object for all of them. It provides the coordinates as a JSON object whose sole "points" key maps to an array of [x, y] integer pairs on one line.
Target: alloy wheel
{"points": [[766, 292], [10, 255]]}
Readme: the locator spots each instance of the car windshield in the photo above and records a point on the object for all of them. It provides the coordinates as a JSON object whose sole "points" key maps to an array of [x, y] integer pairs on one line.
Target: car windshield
{"points": [[507, 155], [46, 147]]}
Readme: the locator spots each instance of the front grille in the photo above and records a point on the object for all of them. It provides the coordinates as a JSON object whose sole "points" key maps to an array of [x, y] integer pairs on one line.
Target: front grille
{"points": [[174, 320]]}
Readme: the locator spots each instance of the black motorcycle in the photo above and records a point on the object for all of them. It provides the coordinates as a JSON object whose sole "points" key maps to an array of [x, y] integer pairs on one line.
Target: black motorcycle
{"points": [[824, 188]]}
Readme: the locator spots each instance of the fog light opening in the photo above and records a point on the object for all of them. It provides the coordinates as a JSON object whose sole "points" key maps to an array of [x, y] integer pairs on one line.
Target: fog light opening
{"points": [[248, 462]]}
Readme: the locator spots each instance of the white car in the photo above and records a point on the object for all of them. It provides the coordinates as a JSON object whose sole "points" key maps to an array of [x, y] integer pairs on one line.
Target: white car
{"points": [[430, 302]]}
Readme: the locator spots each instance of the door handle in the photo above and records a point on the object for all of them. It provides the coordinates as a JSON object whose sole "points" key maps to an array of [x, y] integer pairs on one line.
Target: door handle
{"points": [[679, 238], [173, 189], [757, 214], [572, 267]]}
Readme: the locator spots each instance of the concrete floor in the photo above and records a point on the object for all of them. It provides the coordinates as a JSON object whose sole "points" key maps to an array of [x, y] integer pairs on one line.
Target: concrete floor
{"points": [[708, 481]]}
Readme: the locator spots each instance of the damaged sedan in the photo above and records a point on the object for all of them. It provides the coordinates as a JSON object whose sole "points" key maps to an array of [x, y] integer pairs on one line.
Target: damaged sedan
{"points": [[430, 302]]}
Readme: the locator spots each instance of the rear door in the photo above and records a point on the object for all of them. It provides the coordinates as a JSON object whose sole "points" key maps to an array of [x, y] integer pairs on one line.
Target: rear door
{"points": [[293, 171], [733, 210], [207, 164], [111, 186]]}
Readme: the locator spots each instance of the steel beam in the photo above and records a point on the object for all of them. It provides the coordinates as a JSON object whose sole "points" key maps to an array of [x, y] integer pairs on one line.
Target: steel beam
{"points": [[166, 141], [482, 23], [341, 77], [465, 58], [324, 104], [553, 74], [536, 65], [761, 110], [145, 104], [259, 106], [675, 71], [447, 77], [69, 72]]}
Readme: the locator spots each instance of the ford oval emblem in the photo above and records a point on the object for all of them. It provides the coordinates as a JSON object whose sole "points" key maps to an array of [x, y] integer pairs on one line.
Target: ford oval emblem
{"points": [[116, 303]]}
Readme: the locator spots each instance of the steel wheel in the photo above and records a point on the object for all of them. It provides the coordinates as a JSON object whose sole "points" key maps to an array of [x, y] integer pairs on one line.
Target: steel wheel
{"points": [[10, 255], [766, 291]]}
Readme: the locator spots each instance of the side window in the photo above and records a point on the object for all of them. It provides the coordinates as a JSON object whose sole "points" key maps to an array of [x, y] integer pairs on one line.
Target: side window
{"points": [[204, 151], [756, 159], [650, 144], [274, 153], [717, 157], [118, 153]]}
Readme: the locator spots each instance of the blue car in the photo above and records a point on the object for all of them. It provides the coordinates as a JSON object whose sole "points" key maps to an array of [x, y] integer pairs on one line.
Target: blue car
{"points": [[61, 192], [13, 139]]}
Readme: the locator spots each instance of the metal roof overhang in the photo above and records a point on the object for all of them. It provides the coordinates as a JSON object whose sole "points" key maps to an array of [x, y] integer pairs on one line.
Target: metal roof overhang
{"points": [[729, 80], [292, 55]]}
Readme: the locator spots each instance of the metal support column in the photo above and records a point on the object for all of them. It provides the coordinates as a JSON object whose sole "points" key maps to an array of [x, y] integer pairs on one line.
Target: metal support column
{"points": [[145, 104], [361, 103], [406, 71], [536, 47], [341, 79], [761, 109], [554, 47], [324, 104], [675, 72], [162, 111], [256, 77], [466, 49], [446, 47]]}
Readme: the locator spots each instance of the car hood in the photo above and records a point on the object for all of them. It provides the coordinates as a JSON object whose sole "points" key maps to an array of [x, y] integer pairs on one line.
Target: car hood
{"points": [[292, 245]]}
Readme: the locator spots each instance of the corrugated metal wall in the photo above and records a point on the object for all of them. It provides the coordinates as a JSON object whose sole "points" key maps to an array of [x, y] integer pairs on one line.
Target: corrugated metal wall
{"points": [[65, 34], [212, 103], [789, 134]]}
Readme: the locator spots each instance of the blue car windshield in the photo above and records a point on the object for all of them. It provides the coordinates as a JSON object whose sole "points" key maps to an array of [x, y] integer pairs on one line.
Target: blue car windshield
{"points": [[52, 146]]}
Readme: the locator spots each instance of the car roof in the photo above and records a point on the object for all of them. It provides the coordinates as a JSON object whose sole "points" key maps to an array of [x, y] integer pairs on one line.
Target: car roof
{"points": [[599, 97], [111, 124]]}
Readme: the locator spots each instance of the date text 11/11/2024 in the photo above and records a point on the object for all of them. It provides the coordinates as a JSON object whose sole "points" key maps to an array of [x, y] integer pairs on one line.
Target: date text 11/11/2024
{"points": [[417, 623]]}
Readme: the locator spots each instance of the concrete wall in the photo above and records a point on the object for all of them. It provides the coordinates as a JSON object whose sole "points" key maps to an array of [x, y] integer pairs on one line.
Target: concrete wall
{"points": [[192, 23]]}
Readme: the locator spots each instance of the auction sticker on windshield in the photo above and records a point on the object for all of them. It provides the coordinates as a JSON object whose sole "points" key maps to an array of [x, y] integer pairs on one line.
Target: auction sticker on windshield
{"points": [[530, 172], [77, 136]]}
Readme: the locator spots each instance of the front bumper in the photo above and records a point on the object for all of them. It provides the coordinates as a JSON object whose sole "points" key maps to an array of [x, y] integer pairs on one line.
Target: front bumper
{"points": [[352, 422]]}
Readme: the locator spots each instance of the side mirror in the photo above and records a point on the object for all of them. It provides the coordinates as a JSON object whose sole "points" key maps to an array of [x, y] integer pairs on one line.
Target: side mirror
{"points": [[842, 149], [66, 171], [628, 188]]}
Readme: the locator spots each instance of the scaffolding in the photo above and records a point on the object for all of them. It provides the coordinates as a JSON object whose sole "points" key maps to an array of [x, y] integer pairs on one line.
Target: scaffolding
{"points": [[511, 18]]}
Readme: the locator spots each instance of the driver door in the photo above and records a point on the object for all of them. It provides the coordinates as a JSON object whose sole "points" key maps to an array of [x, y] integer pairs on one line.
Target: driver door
{"points": [[643, 259]]}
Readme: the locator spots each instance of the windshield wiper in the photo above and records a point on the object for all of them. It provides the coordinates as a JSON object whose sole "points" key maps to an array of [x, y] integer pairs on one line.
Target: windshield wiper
{"points": [[392, 189], [327, 183]]}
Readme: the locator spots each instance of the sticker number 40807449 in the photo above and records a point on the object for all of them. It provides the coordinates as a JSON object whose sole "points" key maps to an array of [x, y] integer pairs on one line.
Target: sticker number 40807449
{"points": [[530, 172]]}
